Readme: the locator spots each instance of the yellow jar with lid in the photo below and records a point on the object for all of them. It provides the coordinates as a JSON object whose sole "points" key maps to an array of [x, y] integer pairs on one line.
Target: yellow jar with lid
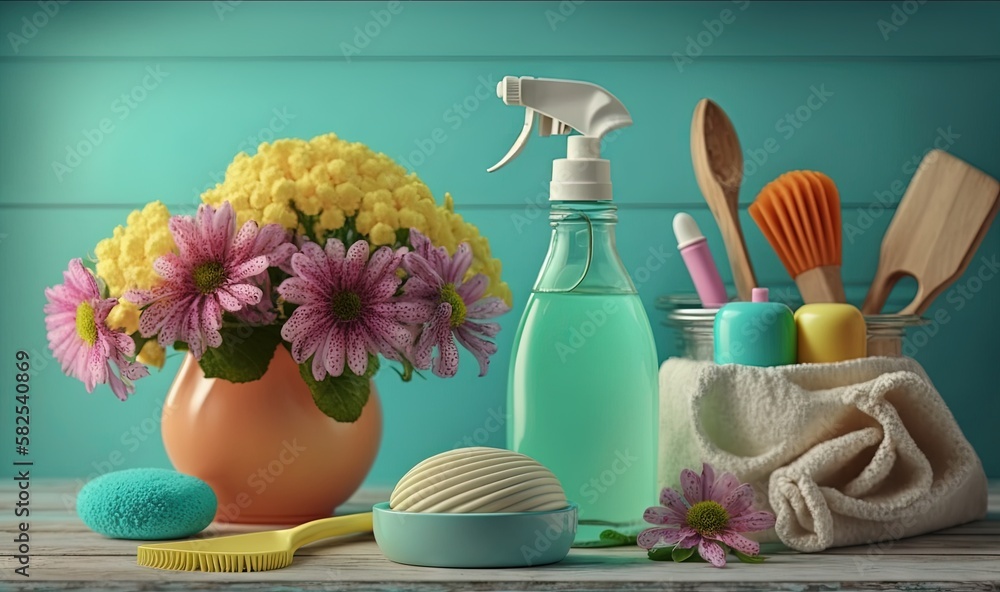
{"points": [[830, 332]]}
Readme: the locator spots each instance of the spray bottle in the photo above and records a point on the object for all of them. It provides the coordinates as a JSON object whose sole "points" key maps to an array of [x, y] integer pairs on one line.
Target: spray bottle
{"points": [[582, 393]]}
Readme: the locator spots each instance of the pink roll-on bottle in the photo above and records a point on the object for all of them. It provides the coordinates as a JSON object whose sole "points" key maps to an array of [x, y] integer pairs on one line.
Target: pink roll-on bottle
{"points": [[698, 259]]}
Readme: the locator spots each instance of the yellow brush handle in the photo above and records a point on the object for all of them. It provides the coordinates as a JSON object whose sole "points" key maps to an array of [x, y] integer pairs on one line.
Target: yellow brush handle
{"points": [[317, 530]]}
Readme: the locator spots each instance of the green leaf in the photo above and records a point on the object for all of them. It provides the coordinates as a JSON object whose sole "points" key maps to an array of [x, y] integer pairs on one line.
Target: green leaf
{"points": [[613, 537], [749, 558], [139, 341], [661, 554], [680, 555], [244, 354], [340, 397]]}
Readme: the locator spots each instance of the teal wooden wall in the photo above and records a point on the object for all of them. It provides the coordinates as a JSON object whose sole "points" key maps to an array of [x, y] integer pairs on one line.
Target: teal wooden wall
{"points": [[230, 74]]}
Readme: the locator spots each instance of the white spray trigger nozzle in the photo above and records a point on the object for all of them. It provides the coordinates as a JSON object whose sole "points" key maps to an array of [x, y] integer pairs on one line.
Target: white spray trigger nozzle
{"points": [[509, 89], [548, 126], [563, 107], [519, 143]]}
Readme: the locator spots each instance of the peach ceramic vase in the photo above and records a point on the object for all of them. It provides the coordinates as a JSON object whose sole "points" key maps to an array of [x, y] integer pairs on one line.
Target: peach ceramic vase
{"points": [[265, 449]]}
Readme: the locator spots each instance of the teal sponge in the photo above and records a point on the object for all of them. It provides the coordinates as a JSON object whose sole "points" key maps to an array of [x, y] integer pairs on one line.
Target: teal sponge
{"points": [[146, 504]]}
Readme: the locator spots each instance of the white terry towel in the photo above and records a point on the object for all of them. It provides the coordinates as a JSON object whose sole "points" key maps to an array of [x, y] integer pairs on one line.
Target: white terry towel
{"points": [[843, 454]]}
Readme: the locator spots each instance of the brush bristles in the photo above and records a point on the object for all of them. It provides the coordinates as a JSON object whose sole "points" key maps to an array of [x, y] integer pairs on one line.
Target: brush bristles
{"points": [[799, 214], [227, 562]]}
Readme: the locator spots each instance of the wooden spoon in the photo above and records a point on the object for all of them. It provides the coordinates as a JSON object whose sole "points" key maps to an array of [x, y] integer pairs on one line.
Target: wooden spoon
{"points": [[718, 167]]}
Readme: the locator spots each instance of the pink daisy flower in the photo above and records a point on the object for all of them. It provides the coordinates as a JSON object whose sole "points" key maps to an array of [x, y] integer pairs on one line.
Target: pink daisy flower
{"points": [[457, 307], [275, 242], [712, 511], [214, 270], [347, 307], [81, 339]]}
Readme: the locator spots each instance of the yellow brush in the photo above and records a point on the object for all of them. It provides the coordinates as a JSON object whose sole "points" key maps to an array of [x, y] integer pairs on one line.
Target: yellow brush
{"points": [[256, 551]]}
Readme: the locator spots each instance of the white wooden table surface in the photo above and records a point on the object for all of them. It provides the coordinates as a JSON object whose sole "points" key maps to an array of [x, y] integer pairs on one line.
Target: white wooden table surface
{"points": [[64, 554]]}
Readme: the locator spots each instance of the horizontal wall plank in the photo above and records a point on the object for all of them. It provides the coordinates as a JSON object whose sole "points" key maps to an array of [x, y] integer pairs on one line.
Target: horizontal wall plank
{"points": [[178, 139], [365, 30], [426, 416], [519, 236]]}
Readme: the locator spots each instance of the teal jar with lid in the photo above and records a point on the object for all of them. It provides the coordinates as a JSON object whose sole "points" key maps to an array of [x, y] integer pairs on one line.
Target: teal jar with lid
{"points": [[756, 333]]}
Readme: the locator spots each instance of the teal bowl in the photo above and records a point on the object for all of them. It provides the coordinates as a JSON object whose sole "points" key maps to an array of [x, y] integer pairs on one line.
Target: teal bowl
{"points": [[515, 539]]}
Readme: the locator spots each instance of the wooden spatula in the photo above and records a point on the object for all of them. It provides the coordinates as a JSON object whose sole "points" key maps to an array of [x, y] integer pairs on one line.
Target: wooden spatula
{"points": [[941, 219]]}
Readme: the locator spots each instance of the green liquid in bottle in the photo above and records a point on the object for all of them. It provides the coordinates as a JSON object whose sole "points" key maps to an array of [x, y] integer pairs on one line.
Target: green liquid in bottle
{"points": [[583, 388]]}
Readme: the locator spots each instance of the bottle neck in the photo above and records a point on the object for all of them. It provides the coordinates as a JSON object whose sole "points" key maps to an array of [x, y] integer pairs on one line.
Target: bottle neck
{"points": [[582, 255]]}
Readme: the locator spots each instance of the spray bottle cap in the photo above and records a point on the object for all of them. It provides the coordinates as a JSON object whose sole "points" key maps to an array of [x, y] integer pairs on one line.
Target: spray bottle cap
{"points": [[563, 106]]}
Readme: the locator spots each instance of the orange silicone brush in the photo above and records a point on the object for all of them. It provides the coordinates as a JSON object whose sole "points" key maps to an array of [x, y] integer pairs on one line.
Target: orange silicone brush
{"points": [[799, 214]]}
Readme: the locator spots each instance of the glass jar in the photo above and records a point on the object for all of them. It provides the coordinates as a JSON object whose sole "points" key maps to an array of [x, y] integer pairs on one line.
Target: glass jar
{"points": [[694, 330], [694, 326], [887, 331]]}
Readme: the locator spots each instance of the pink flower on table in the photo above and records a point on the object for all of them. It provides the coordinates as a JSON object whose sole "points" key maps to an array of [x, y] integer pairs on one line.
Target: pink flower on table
{"points": [[80, 338], [347, 307], [713, 510], [457, 308], [214, 270]]}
